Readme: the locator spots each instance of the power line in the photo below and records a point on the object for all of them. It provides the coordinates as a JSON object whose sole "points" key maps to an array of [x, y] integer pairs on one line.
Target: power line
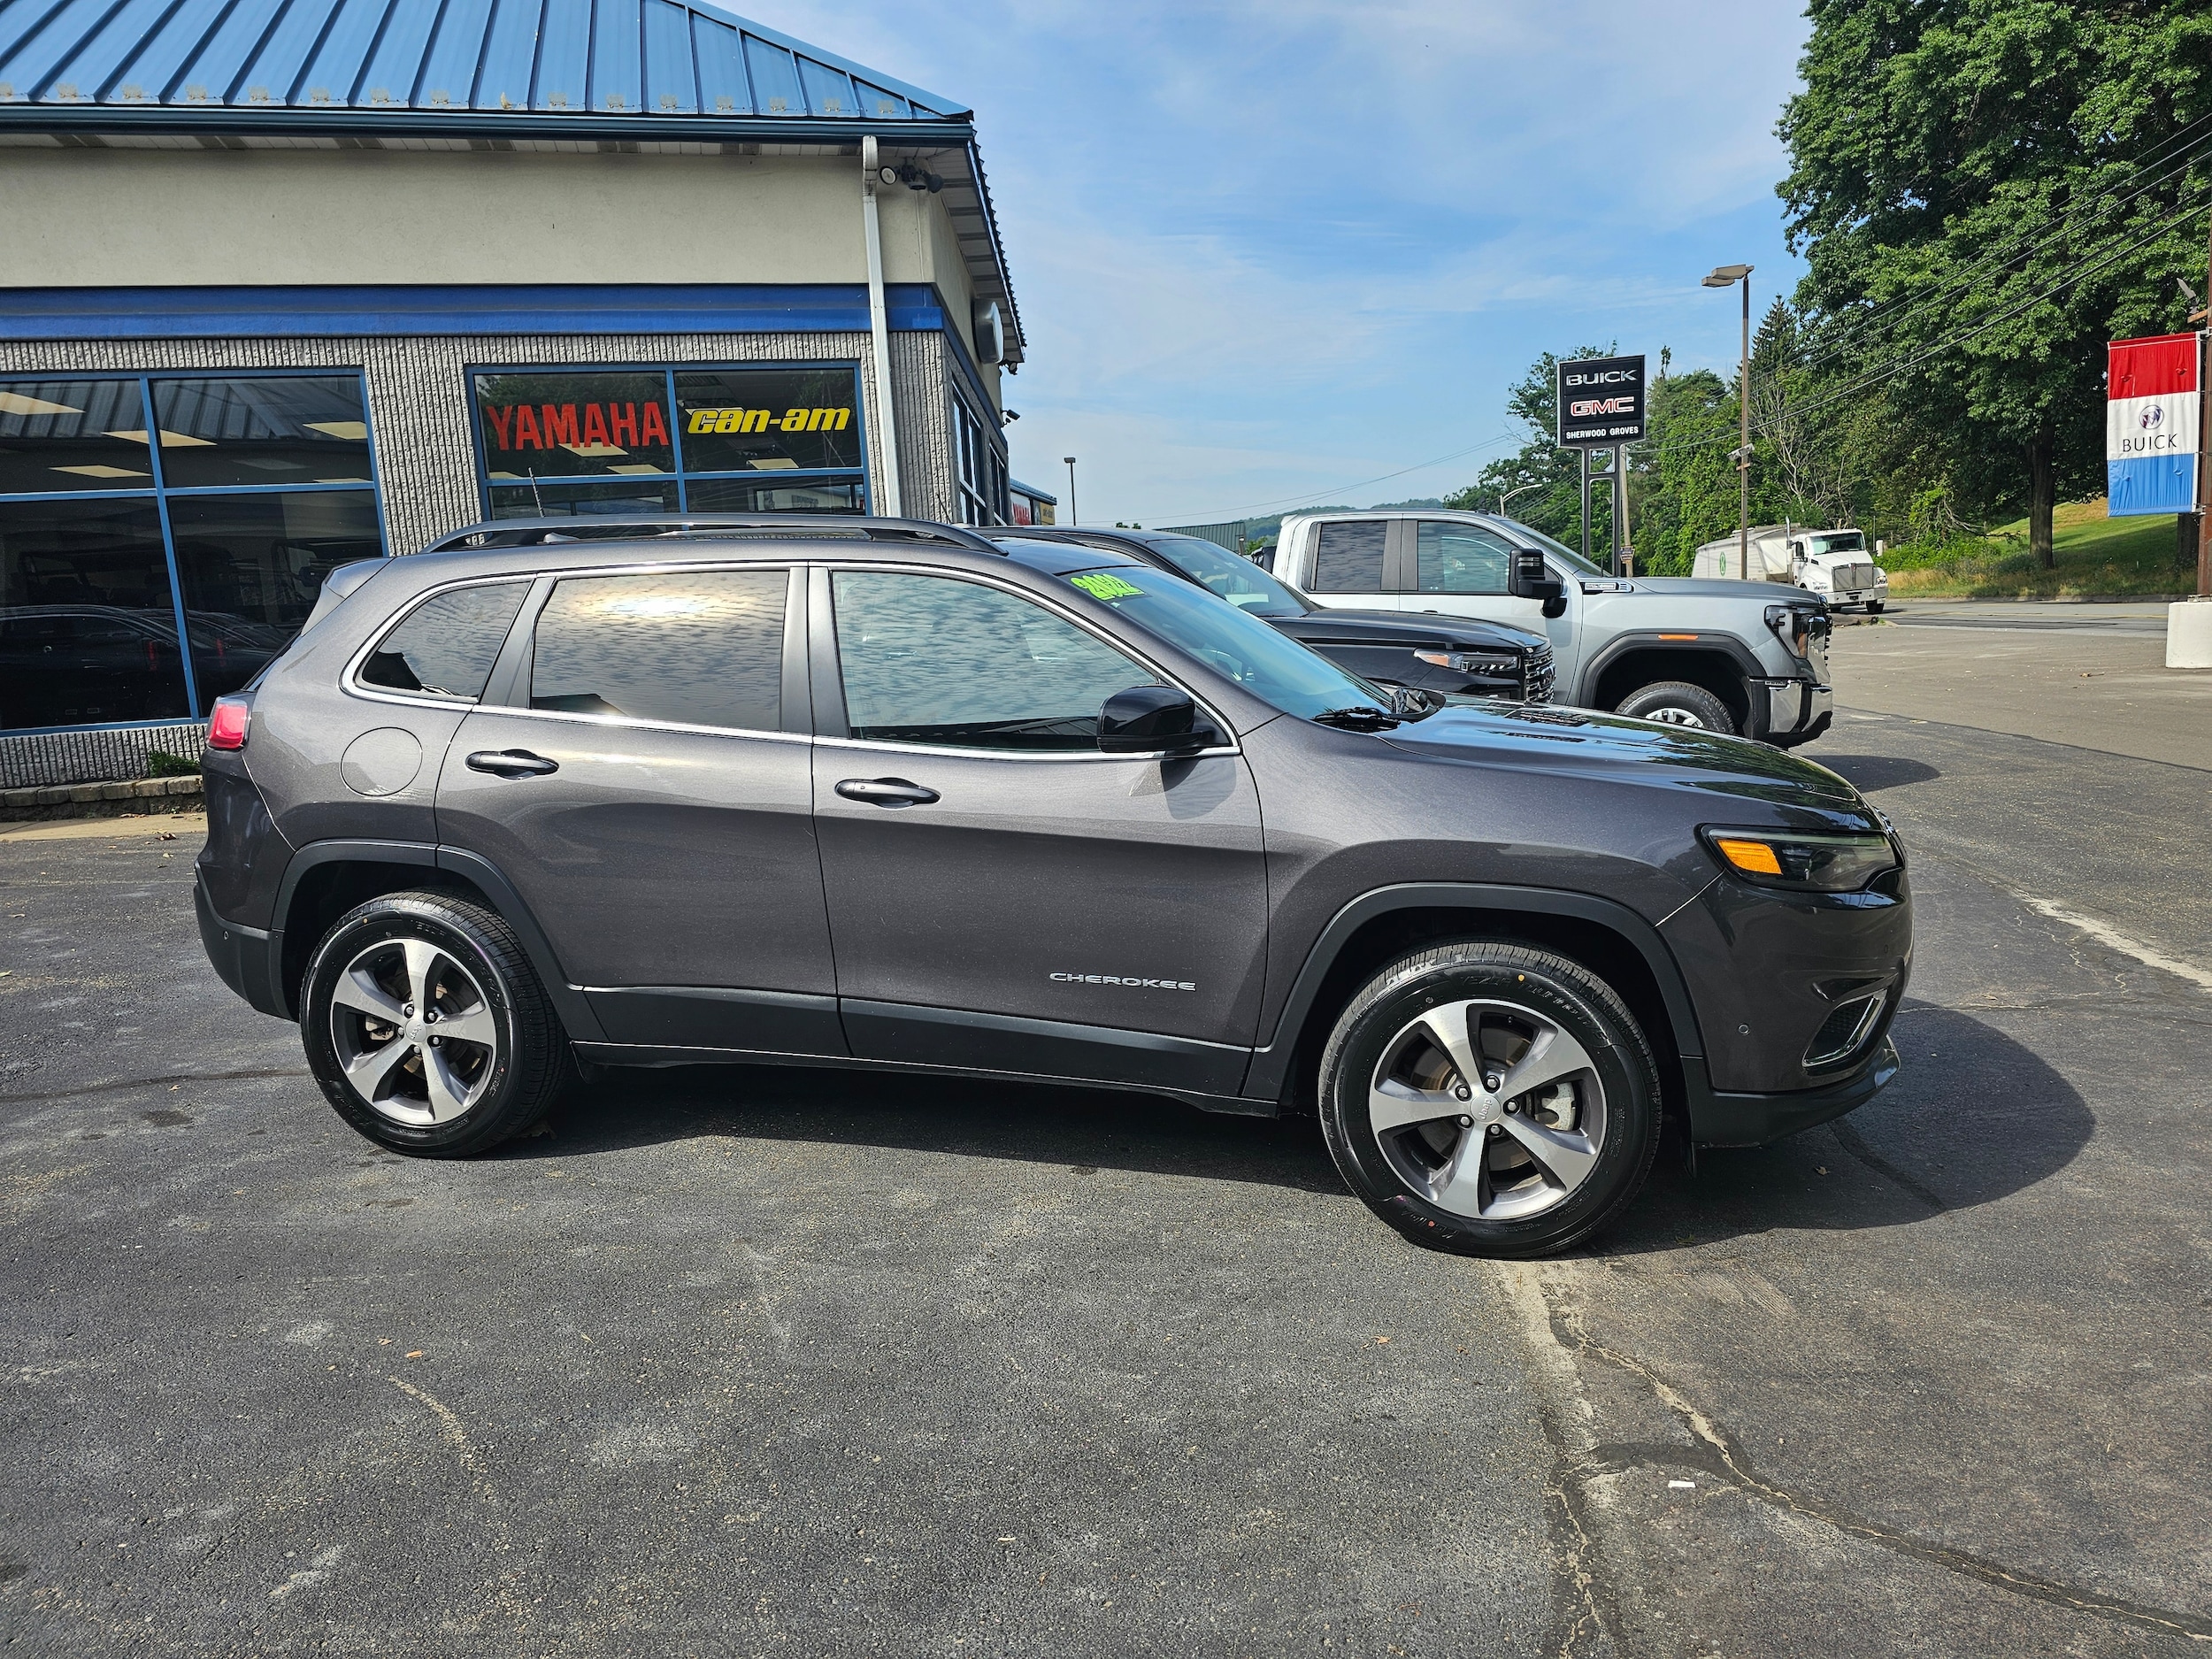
{"points": [[1988, 321], [1854, 328]]}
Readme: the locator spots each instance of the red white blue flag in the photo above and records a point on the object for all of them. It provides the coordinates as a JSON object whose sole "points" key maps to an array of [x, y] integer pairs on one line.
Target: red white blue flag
{"points": [[2151, 436]]}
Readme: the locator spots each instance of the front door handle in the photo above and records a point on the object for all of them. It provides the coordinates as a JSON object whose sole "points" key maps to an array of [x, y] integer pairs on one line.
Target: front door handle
{"points": [[511, 763], [886, 792]]}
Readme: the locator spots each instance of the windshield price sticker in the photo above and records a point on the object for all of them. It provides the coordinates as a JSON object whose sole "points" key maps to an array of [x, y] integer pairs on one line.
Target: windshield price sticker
{"points": [[1099, 585]]}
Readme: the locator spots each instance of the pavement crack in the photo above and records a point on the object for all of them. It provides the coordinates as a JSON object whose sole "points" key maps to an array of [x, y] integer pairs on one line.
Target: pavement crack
{"points": [[1719, 1455]]}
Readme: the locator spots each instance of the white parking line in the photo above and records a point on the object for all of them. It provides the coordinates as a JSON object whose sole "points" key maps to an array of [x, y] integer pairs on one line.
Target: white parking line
{"points": [[2121, 942]]}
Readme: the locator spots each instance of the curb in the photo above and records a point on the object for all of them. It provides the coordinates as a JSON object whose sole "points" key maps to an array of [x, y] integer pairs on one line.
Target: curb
{"points": [[96, 800]]}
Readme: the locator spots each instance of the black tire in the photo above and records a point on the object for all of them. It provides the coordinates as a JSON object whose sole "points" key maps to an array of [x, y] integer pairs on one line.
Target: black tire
{"points": [[1875, 607], [1677, 702], [510, 1082], [1549, 990]]}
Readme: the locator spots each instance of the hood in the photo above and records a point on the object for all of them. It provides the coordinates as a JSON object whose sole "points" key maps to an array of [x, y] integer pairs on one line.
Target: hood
{"points": [[1712, 587], [1584, 741], [1328, 622]]}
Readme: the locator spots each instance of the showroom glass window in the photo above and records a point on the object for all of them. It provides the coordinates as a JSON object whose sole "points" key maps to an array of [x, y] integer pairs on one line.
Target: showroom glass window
{"points": [[983, 493], [162, 537], [669, 440]]}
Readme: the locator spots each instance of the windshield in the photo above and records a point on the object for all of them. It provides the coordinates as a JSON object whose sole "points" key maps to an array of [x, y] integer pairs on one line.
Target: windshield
{"points": [[1234, 643], [1242, 583], [1559, 550], [1842, 541]]}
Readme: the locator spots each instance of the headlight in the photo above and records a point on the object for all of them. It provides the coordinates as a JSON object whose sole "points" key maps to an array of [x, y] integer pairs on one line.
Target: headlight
{"points": [[1796, 627], [1460, 662], [1805, 861]]}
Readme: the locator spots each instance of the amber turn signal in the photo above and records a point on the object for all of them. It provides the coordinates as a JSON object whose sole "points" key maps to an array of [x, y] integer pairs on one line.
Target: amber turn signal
{"points": [[1754, 856]]}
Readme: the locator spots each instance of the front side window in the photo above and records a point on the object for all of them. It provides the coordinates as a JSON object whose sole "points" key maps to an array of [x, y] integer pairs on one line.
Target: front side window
{"points": [[1238, 580], [1460, 558], [448, 644], [933, 659], [689, 648], [1349, 556]]}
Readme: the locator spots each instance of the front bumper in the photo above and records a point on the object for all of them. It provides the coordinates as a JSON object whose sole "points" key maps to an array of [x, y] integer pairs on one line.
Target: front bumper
{"points": [[1796, 711], [1721, 1120]]}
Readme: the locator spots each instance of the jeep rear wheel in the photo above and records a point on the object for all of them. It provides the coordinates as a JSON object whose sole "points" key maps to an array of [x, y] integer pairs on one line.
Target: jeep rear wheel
{"points": [[427, 1028], [1490, 1099], [1677, 702]]}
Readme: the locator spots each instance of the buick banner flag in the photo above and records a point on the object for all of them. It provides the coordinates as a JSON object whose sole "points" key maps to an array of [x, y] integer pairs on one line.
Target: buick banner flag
{"points": [[2151, 436]]}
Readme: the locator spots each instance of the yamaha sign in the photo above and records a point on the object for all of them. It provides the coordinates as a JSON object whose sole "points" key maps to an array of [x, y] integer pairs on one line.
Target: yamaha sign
{"points": [[1601, 402]]}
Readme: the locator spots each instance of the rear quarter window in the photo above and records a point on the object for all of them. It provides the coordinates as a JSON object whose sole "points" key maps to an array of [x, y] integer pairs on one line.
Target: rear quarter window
{"points": [[447, 645]]}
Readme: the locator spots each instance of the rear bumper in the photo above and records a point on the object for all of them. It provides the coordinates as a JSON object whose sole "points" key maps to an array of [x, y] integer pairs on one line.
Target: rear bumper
{"points": [[1718, 1119], [241, 955]]}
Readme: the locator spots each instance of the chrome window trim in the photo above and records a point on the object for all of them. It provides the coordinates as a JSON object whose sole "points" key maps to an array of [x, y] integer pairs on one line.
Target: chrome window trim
{"points": [[350, 680], [1050, 605]]}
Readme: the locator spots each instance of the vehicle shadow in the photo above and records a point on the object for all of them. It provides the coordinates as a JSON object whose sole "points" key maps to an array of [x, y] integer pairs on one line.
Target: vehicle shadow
{"points": [[1972, 1118], [1869, 772], [1083, 1127]]}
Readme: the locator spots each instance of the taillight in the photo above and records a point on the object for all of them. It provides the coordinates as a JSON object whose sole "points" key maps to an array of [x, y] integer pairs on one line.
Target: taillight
{"points": [[226, 722]]}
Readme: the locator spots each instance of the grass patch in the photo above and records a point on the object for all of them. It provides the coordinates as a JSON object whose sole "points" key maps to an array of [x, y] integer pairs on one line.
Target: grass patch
{"points": [[161, 764], [2093, 555]]}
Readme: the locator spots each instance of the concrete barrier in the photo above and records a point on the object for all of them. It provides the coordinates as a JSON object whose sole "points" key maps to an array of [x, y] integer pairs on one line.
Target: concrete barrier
{"points": [[2189, 635]]}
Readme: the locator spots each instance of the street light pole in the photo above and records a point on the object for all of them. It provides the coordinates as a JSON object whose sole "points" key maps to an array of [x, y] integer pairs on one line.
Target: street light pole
{"points": [[1522, 489], [1726, 276], [1071, 461]]}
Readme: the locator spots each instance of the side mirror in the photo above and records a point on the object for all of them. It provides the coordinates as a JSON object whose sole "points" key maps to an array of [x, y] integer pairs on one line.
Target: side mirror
{"points": [[1153, 721], [1528, 571]]}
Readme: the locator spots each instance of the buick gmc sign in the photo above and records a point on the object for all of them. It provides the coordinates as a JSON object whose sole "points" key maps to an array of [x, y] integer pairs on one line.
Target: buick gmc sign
{"points": [[1601, 402]]}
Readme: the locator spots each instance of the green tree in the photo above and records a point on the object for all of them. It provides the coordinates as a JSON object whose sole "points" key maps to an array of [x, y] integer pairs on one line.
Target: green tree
{"points": [[1985, 192]]}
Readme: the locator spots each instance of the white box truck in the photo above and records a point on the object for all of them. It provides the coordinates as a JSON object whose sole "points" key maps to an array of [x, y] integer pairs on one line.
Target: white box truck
{"points": [[1834, 564]]}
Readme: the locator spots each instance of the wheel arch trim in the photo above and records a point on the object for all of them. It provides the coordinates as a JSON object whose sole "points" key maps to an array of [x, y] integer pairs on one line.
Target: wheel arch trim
{"points": [[1270, 1073], [1707, 644], [486, 877]]}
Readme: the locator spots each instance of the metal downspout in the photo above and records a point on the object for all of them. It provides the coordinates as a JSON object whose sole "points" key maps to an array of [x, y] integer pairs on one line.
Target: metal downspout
{"points": [[894, 505]]}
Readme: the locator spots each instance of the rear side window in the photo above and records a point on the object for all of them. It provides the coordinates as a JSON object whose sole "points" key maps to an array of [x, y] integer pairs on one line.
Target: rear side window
{"points": [[1461, 558], [932, 659], [702, 648], [1350, 557], [448, 644]]}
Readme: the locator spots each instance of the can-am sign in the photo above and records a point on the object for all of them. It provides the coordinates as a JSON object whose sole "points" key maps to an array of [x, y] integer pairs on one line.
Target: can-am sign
{"points": [[1601, 402], [2152, 398]]}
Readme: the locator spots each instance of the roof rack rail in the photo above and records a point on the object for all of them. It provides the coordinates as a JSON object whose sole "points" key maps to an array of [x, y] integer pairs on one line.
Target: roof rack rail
{"points": [[502, 533]]}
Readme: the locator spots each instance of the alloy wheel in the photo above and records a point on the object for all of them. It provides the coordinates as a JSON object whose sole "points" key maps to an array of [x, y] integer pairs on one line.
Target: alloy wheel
{"points": [[416, 1038], [1487, 1110], [1669, 715]]}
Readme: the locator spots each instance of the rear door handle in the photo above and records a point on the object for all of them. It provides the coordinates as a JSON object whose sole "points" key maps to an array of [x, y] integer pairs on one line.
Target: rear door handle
{"points": [[886, 792], [511, 763]]}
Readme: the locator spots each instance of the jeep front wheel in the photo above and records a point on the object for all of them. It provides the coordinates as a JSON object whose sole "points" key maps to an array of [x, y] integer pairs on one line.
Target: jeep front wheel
{"points": [[1677, 702], [1491, 1100]]}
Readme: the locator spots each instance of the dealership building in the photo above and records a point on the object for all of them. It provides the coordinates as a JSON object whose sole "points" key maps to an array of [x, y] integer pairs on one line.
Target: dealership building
{"points": [[285, 283]]}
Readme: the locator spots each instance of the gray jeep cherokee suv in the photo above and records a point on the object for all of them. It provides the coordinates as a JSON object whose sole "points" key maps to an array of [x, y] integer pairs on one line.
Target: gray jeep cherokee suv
{"points": [[871, 793]]}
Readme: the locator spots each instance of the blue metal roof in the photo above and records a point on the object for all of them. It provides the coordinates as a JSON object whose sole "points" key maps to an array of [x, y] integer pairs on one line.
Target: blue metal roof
{"points": [[619, 58]]}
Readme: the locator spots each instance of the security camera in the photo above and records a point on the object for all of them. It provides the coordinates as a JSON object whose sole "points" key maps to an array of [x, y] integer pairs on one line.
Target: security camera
{"points": [[890, 175]]}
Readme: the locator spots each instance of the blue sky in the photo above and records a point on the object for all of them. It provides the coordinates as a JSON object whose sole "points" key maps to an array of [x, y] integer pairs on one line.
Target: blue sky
{"points": [[1264, 253]]}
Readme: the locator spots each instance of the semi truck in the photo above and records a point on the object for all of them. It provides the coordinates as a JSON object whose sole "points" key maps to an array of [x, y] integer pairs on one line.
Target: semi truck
{"points": [[1834, 564]]}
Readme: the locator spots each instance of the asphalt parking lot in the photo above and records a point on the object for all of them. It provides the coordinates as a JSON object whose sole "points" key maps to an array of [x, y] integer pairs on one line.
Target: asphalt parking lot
{"points": [[772, 1362]]}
